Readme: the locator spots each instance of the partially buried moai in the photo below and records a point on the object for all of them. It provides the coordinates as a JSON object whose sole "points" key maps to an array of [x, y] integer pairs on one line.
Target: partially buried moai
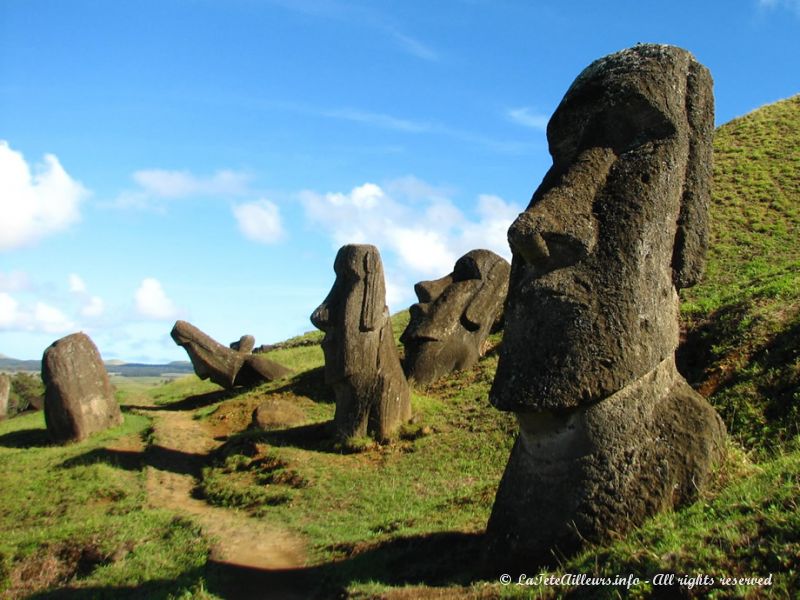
{"points": [[454, 316], [361, 360], [609, 431], [79, 399]]}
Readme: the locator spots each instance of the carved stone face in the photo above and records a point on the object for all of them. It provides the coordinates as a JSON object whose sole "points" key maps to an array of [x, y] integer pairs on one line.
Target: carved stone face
{"points": [[454, 316], [613, 230], [353, 312]]}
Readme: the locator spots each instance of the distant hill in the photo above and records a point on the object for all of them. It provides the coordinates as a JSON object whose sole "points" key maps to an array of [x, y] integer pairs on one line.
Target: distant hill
{"points": [[115, 367]]}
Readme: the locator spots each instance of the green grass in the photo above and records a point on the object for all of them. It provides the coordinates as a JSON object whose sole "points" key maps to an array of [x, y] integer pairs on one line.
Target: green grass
{"points": [[743, 321], [75, 516]]}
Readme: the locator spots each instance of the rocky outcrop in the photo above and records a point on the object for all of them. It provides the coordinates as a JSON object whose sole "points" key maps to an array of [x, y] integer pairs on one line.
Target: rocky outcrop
{"points": [[454, 316], [78, 400], [609, 431], [361, 360]]}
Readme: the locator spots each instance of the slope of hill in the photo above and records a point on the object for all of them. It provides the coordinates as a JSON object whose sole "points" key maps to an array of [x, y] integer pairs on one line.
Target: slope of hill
{"points": [[405, 520], [743, 320]]}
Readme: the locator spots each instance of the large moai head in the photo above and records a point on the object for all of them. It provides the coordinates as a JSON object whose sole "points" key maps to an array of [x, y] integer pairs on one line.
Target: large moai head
{"points": [[616, 227], [610, 433], [353, 313], [454, 316]]}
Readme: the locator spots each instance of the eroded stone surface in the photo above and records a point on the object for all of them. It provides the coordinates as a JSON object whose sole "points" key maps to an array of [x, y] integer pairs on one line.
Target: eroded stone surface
{"points": [[454, 316], [361, 360], [609, 431], [276, 413], [78, 400], [228, 367]]}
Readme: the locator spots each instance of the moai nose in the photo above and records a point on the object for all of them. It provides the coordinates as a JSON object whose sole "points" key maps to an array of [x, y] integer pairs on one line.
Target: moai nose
{"points": [[559, 227], [320, 318]]}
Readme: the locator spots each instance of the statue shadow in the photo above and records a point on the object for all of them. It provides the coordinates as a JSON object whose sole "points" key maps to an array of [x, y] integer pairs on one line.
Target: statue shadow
{"points": [[317, 437], [26, 438], [190, 402], [158, 457], [310, 384]]}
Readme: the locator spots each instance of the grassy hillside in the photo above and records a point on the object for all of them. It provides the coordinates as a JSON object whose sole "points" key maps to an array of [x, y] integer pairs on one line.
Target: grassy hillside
{"points": [[743, 320], [405, 520]]}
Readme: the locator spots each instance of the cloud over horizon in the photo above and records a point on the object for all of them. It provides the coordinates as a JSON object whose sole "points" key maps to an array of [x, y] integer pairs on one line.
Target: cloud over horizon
{"points": [[35, 203], [418, 229], [260, 221], [152, 301], [528, 117]]}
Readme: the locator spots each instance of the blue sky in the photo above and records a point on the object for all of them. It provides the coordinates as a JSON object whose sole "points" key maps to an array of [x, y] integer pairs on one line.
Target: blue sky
{"points": [[204, 159]]}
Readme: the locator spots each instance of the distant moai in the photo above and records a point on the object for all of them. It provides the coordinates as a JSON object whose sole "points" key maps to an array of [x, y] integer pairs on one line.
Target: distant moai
{"points": [[361, 360], [228, 367], [609, 431], [5, 392], [78, 398], [454, 316]]}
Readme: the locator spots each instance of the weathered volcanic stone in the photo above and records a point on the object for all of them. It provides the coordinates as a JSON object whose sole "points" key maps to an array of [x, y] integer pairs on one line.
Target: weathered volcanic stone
{"points": [[276, 412], [361, 360], [245, 344], [610, 433], [454, 316], [78, 400], [224, 366], [5, 392]]}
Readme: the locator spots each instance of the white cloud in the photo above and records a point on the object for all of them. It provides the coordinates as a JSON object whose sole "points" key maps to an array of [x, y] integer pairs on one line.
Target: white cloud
{"points": [[94, 307], [528, 117], [259, 221], [378, 120], [9, 311], [35, 204], [14, 281], [41, 318], [152, 302], [161, 183], [415, 47], [418, 229], [50, 319], [76, 284], [423, 250]]}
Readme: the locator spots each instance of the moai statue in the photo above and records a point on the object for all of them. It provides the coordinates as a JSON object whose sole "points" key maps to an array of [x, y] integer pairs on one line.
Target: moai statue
{"points": [[610, 433], [361, 360], [454, 316], [78, 397], [227, 367]]}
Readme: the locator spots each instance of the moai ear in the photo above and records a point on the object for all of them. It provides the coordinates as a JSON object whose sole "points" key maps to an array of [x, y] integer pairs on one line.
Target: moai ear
{"points": [[691, 238], [373, 306], [477, 311]]}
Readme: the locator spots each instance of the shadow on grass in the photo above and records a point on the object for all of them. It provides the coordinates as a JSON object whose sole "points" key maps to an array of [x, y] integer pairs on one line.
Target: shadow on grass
{"points": [[315, 437], [191, 402], [159, 457], [26, 438], [310, 384], [434, 560]]}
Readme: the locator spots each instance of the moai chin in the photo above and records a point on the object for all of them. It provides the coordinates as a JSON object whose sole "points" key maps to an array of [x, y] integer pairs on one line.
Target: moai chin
{"points": [[454, 316], [361, 360], [610, 433]]}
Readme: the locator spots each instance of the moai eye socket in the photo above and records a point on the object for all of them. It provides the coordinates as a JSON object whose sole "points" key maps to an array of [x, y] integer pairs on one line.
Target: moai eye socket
{"points": [[589, 120]]}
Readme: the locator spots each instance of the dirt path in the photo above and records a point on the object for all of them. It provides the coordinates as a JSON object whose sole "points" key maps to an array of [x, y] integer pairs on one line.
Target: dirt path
{"points": [[175, 459]]}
